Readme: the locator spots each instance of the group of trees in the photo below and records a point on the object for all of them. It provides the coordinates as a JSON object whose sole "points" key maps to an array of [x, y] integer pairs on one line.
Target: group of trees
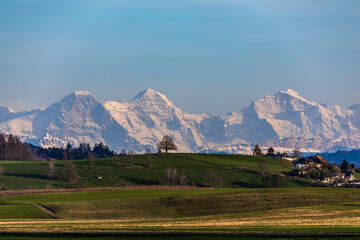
{"points": [[83, 151], [271, 152], [125, 159], [67, 173], [210, 178], [171, 176], [345, 166], [11, 148]]}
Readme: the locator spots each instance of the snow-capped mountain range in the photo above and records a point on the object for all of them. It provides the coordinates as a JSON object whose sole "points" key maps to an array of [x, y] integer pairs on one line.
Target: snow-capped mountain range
{"points": [[284, 121]]}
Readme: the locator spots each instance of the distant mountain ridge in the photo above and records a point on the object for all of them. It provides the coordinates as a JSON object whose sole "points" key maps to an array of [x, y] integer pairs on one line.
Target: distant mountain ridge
{"points": [[352, 156], [284, 120]]}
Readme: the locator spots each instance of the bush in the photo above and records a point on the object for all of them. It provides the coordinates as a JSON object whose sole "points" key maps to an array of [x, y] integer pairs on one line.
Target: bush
{"points": [[212, 179], [171, 176], [272, 181]]}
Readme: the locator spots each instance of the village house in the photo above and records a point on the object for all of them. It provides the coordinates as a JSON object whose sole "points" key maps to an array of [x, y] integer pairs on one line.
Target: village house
{"points": [[291, 159], [355, 182], [302, 163], [331, 177], [317, 162], [349, 176]]}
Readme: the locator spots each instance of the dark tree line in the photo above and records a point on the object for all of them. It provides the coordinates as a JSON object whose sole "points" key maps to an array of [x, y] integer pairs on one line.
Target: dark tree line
{"points": [[84, 151], [11, 148]]}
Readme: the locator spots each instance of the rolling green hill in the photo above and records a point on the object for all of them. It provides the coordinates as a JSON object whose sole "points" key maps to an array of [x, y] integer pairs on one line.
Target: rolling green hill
{"points": [[235, 171]]}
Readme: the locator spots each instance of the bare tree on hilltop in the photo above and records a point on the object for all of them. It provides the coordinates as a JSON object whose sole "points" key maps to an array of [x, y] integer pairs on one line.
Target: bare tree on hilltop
{"points": [[257, 150], [166, 144], [270, 151], [297, 153]]}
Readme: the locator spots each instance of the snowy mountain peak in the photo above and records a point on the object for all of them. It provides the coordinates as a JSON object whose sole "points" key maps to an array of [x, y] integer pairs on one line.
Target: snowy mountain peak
{"points": [[79, 96], [5, 113], [150, 95], [5, 110], [284, 119], [297, 96], [82, 93], [291, 92]]}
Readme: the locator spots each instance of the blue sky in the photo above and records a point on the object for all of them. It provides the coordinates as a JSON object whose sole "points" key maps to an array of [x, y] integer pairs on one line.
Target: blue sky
{"points": [[205, 55]]}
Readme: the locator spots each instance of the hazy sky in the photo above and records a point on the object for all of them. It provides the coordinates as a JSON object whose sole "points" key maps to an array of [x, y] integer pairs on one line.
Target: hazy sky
{"points": [[205, 55]]}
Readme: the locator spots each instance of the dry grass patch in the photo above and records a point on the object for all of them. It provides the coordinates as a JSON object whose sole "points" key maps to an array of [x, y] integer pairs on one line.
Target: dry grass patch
{"points": [[302, 217]]}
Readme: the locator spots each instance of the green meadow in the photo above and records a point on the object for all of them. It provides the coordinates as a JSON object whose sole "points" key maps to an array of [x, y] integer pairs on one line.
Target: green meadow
{"points": [[235, 171]]}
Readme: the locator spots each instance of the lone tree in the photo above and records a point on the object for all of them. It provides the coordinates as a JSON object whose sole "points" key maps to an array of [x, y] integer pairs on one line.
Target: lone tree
{"points": [[131, 157], [263, 168], [51, 169], [70, 173], [166, 144], [91, 160], [257, 150], [148, 158], [271, 151], [296, 153]]}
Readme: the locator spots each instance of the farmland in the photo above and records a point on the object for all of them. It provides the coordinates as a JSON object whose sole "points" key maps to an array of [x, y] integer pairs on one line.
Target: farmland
{"points": [[128, 200], [284, 210]]}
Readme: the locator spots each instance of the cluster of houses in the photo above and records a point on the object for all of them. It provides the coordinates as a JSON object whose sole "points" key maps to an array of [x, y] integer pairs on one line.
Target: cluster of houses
{"points": [[319, 169], [315, 168]]}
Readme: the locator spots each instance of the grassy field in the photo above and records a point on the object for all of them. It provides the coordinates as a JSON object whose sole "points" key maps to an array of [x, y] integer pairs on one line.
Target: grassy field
{"points": [[236, 171], [242, 207], [22, 211], [260, 211]]}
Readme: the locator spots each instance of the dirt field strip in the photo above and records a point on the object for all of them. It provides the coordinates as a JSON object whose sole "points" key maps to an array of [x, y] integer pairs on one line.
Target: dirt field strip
{"points": [[13, 193], [300, 218]]}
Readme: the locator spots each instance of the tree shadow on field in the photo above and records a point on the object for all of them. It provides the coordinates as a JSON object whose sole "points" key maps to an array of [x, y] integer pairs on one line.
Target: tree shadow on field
{"points": [[26, 175], [239, 184], [140, 181]]}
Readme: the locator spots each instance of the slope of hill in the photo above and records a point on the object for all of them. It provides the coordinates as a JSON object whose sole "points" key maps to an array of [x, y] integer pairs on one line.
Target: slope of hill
{"points": [[232, 170], [284, 120]]}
